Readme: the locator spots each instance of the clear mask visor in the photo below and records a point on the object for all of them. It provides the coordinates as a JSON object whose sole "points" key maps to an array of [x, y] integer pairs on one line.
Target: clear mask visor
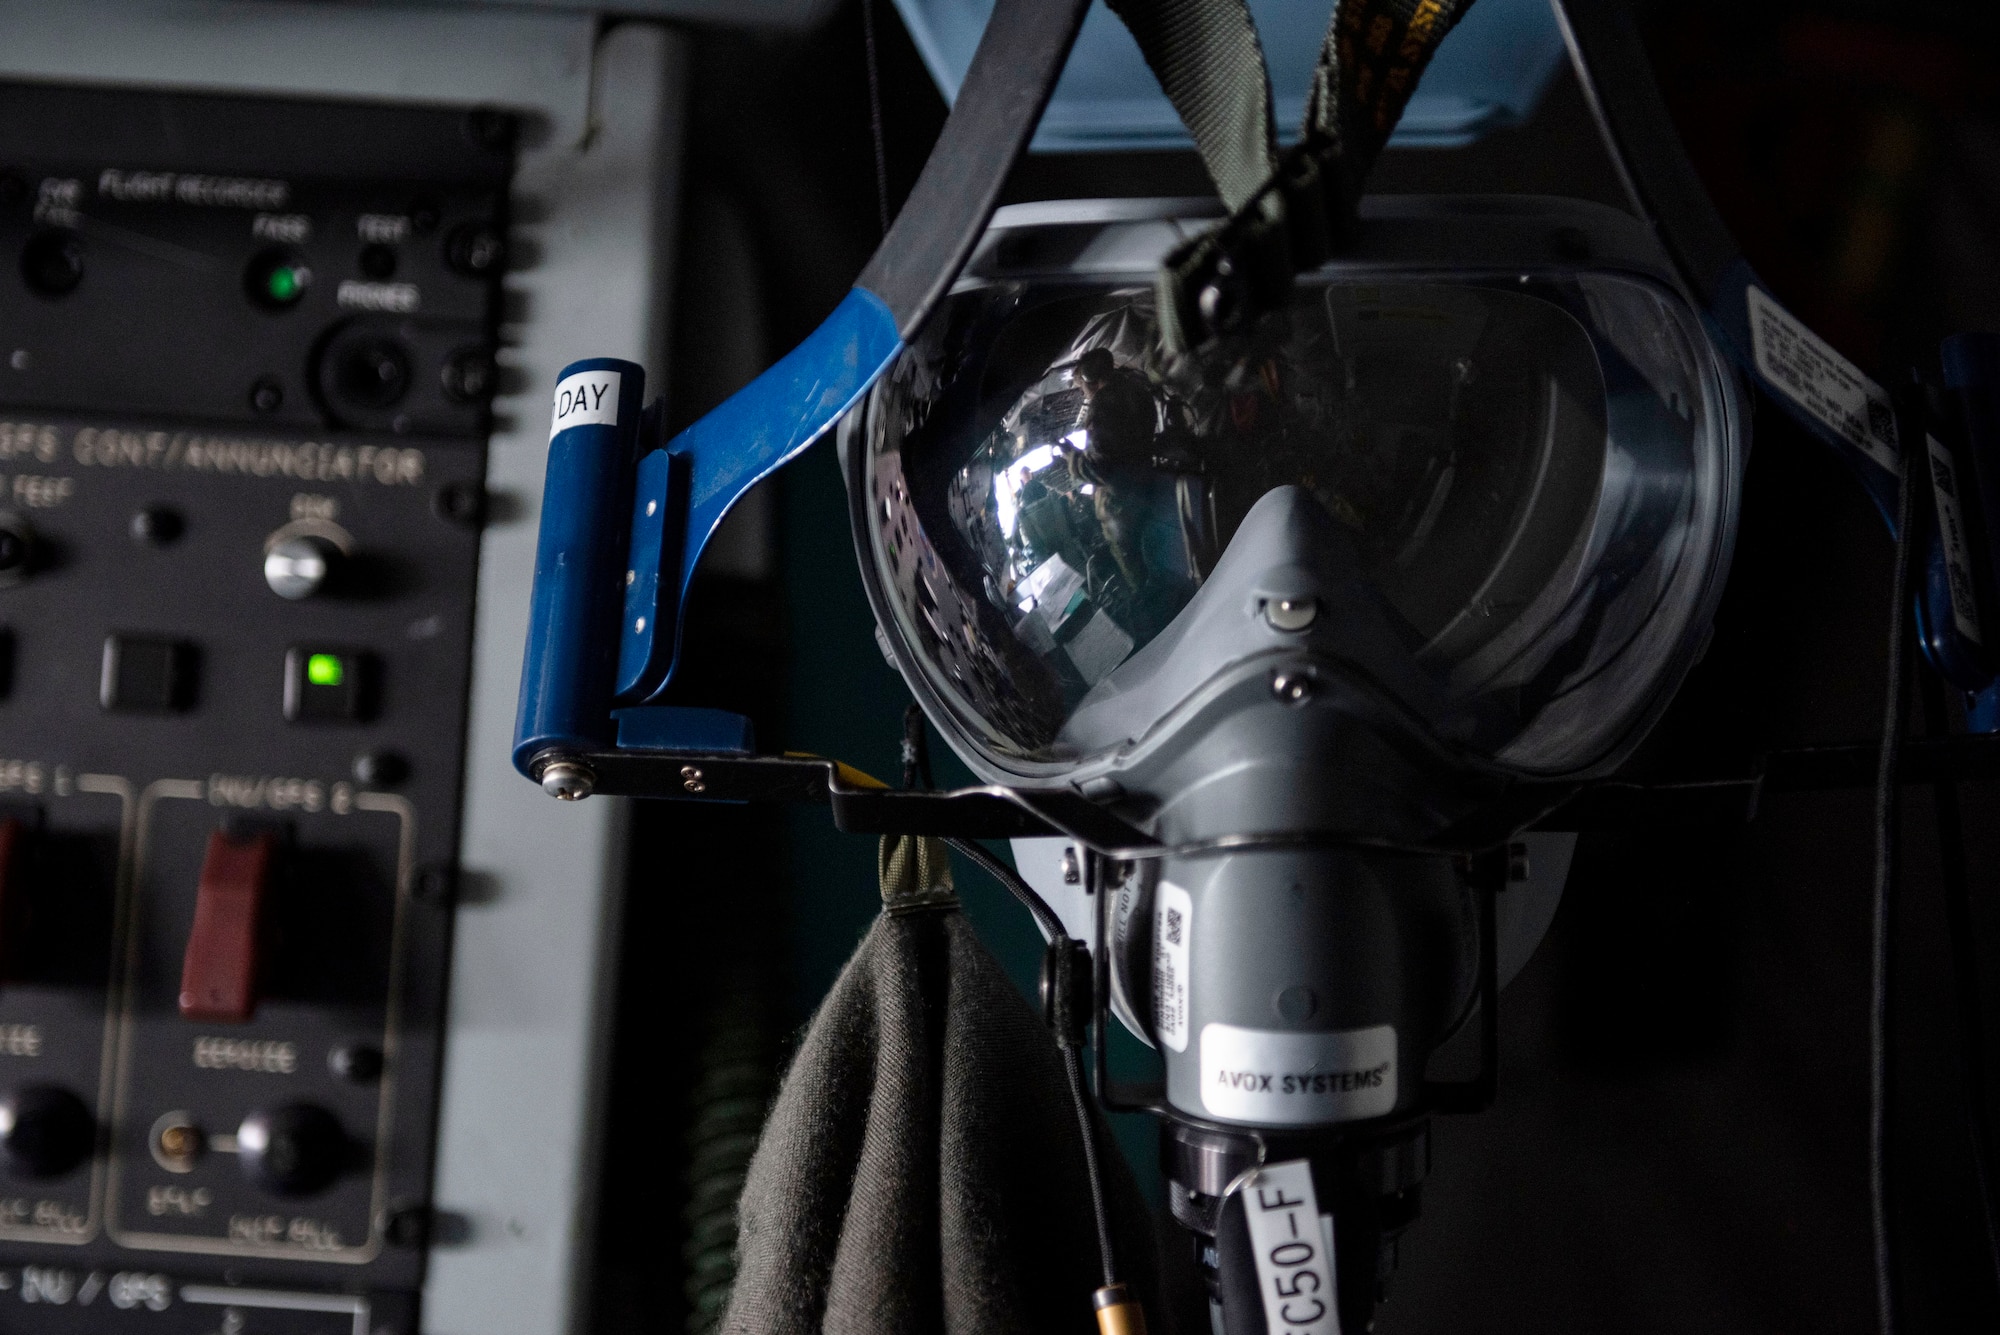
{"points": [[1525, 478]]}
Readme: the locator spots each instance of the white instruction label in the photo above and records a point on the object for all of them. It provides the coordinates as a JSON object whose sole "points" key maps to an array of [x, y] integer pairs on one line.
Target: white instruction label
{"points": [[1293, 1244], [588, 398], [1828, 386], [1951, 530], [1173, 927], [1278, 1077]]}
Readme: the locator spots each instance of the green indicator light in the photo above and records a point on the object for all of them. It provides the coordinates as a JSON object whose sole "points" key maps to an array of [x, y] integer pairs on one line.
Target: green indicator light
{"points": [[325, 670], [284, 284]]}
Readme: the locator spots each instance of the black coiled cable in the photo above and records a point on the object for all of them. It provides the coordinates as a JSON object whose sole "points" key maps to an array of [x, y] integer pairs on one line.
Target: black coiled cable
{"points": [[917, 769], [1072, 1057], [1887, 808], [725, 1117]]}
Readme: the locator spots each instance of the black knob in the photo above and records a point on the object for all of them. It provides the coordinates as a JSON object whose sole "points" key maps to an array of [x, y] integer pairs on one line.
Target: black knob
{"points": [[467, 376], [380, 769], [267, 394], [291, 1151], [45, 1131], [371, 372], [52, 263], [475, 250], [157, 525], [17, 548], [356, 1062]]}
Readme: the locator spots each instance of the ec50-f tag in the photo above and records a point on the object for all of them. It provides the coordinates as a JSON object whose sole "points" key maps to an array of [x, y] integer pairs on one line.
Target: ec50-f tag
{"points": [[1293, 1245]]}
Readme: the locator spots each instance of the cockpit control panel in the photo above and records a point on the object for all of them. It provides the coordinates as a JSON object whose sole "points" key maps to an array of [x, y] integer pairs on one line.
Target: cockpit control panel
{"points": [[246, 362]]}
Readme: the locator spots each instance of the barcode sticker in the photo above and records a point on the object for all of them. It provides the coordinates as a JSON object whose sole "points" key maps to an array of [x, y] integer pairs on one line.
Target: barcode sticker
{"points": [[1808, 371], [1951, 530], [1292, 1243], [1173, 926]]}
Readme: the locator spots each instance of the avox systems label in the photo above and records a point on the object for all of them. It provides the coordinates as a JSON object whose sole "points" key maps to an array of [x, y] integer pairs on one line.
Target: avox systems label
{"points": [[1280, 1077]]}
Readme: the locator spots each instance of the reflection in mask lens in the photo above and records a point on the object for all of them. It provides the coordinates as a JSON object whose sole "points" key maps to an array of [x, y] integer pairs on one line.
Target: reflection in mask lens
{"points": [[1514, 470]]}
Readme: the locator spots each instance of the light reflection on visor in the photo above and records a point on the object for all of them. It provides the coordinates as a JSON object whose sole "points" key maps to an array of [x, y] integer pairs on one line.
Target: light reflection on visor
{"points": [[1525, 471]]}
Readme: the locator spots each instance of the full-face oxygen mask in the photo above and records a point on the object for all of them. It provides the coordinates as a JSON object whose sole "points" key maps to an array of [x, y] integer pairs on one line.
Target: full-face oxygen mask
{"points": [[1316, 605]]}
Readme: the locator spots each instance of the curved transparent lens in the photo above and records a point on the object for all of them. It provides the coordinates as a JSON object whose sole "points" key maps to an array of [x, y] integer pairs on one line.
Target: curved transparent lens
{"points": [[1528, 472]]}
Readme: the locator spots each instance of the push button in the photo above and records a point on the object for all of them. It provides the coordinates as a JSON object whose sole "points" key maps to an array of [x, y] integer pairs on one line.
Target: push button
{"points": [[327, 685], [219, 973], [13, 841], [146, 675]]}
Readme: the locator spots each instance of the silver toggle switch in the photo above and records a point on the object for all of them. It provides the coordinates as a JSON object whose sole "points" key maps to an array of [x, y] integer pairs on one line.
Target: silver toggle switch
{"points": [[299, 567]]}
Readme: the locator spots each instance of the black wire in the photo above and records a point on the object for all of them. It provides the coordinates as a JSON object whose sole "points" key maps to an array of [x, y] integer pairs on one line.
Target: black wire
{"points": [[1073, 1067], [1045, 917], [1886, 809], [916, 749], [1965, 977], [875, 115], [1072, 1058]]}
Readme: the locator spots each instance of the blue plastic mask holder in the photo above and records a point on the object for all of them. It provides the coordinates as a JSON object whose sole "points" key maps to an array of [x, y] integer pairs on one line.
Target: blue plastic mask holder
{"points": [[624, 525], [1874, 432]]}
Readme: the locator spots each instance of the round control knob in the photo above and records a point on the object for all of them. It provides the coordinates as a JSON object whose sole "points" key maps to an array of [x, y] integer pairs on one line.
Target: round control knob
{"points": [[298, 568], [52, 263], [370, 372], [291, 1151], [17, 549], [45, 1131], [475, 250]]}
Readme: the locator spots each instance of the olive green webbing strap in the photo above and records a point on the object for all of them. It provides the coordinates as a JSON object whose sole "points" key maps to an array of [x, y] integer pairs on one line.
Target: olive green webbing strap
{"points": [[1369, 64], [1206, 55], [915, 872], [1287, 212]]}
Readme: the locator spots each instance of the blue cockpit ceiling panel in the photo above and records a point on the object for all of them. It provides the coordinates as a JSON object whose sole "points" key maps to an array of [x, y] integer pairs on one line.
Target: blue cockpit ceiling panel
{"points": [[1489, 73]]}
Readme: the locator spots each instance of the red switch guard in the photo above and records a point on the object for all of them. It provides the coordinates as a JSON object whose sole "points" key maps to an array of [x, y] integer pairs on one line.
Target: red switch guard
{"points": [[219, 975]]}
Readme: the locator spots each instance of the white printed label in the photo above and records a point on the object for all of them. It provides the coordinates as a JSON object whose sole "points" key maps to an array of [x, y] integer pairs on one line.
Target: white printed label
{"points": [[1951, 530], [1293, 1244], [1828, 386], [396, 298], [1277, 1077], [1173, 926], [588, 398]]}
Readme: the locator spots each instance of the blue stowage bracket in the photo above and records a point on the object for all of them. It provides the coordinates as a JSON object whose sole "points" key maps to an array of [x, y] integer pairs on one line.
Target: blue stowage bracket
{"points": [[1833, 400], [684, 489], [579, 560], [619, 543], [1972, 380], [684, 728]]}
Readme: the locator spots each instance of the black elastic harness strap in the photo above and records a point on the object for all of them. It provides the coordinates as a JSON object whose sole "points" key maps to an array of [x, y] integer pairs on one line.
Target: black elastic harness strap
{"points": [[1013, 71], [1206, 55], [1609, 55]]}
